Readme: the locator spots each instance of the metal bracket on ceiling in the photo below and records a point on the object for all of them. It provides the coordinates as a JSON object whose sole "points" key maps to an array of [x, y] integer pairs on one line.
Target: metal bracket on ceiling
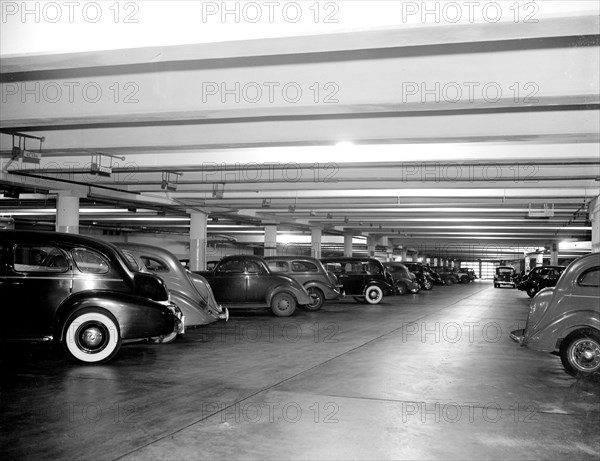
{"points": [[100, 169], [20, 152], [169, 183]]}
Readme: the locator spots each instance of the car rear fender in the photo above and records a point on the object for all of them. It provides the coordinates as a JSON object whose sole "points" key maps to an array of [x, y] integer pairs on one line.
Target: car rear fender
{"points": [[137, 317], [300, 297]]}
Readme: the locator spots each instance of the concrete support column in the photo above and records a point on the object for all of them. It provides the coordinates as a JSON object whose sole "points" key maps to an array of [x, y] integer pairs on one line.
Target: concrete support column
{"points": [[371, 242], [271, 240], [389, 253], [198, 241], [404, 254], [539, 259], [479, 274], [67, 213], [415, 257], [594, 212], [527, 264], [554, 254], [315, 243], [348, 245]]}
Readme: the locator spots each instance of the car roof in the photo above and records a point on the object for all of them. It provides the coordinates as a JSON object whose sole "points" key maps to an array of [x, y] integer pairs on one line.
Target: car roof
{"points": [[349, 258], [290, 258], [154, 250], [57, 237]]}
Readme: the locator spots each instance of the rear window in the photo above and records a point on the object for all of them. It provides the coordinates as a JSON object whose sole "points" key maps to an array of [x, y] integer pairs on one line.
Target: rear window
{"points": [[89, 262], [590, 278], [154, 264], [39, 258]]}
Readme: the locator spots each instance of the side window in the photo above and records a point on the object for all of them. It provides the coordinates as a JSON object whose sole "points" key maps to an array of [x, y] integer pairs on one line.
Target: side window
{"points": [[154, 264], [89, 262], [304, 266], [336, 268], [278, 266], [39, 258], [252, 267], [131, 261], [231, 267], [590, 278]]}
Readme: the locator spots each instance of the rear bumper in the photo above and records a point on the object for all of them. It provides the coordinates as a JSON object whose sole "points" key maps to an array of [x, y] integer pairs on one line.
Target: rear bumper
{"points": [[518, 336], [224, 315]]}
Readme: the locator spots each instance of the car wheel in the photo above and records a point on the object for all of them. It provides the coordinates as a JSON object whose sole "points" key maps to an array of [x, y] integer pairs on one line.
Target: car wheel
{"points": [[401, 287], [449, 281], [317, 299], [373, 294], [580, 353], [283, 305], [92, 336], [427, 286], [465, 279], [496, 285], [532, 291]]}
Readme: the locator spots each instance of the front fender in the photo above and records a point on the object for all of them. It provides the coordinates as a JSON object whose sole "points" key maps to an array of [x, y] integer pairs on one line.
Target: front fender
{"points": [[137, 317]]}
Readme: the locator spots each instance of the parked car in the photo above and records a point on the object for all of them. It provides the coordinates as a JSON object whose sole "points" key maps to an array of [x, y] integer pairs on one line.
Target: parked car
{"points": [[310, 273], [565, 319], [505, 275], [245, 281], [447, 275], [404, 279], [365, 279], [423, 274], [464, 275], [191, 292], [540, 277], [79, 292]]}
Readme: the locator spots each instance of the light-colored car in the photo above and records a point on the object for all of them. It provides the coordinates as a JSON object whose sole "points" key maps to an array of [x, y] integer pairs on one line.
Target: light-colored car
{"points": [[566, 318], [191, 292], [310, 273]]}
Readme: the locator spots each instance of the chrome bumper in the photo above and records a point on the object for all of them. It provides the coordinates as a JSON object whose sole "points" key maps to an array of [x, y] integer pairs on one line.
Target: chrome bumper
{"points": [[518, 336], [225, 314]]}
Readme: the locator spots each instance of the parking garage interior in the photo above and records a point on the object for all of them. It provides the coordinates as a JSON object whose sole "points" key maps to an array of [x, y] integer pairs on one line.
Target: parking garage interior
{"points": [[453, 134]]}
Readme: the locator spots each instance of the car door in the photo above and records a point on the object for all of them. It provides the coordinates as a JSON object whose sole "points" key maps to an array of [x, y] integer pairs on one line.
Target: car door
{"points": [[229, 282], [258, 282], [38, 277]]}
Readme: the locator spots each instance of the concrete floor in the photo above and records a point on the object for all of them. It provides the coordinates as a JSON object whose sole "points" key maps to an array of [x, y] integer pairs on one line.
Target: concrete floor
{"points": [[427, 376]]}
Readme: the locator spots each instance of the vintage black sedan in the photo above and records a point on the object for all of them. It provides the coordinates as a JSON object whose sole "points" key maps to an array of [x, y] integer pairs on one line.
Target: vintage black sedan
{"points": [[423, 274], [540, 277], [79, 292], [405, 280], [365, 279], [505, 276], [246, 282]]}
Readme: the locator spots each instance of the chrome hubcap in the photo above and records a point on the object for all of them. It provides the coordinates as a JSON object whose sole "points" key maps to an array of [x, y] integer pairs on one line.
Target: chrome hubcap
{"points": [[91, 337], [585, 355]]}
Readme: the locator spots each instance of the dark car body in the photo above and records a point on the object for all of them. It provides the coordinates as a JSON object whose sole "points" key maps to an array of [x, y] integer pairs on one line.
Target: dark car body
{"points": [[505, 275], [310, 273], [565, 319], [245, 281], [191, 292], [465, 275], [405, 280], [540, 277], [423, 274], [363, 278], [79, 292], [447, 274]]}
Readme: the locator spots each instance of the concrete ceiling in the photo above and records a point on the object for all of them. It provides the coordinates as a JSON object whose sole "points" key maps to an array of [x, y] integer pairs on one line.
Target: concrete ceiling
{"points": [[436, 137]]}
